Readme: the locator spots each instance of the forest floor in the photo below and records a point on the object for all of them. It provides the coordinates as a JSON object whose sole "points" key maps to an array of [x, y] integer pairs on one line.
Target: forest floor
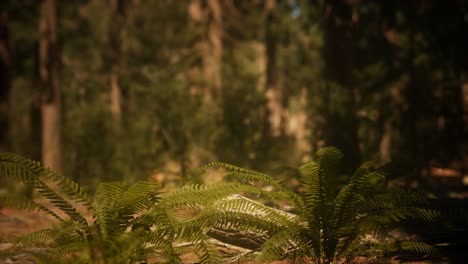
{"points": [[15, 222]]}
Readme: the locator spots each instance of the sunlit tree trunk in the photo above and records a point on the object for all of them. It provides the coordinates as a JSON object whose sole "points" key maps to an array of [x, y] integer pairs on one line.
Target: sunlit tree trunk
{"points": [[5, 85], [297, 125], [115, 95], [213, 49], [206, 76], [49, 76], [117, 44], [209, 13], [274, 94]]}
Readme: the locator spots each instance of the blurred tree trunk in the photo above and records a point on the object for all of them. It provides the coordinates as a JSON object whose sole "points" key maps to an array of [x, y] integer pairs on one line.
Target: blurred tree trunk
{"points": [[117, 43], [5, 83], [298, 124], [464, 96], [212, 45], [207, 14], [274, 94], [342, 124], [49, 76]]}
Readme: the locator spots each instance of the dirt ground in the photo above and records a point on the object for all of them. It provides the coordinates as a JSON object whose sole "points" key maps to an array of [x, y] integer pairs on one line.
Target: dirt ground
{"points": [[15, 222]]}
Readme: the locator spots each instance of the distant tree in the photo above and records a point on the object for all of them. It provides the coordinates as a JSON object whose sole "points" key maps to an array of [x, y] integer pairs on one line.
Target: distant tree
{"points": [[51, 97], [342, 125], [5, 81]]}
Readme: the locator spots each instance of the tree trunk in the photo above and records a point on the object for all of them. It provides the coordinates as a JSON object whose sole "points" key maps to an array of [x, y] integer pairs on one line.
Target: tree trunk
{"points": [[274, 95], [49, 76], [213, 50], [117, 43], [464, 96], [297, 125], [342, 126], [5, 84]]}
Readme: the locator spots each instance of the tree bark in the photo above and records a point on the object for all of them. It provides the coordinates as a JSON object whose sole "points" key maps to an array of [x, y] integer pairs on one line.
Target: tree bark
{"points": [[117, 43], [342, 129], [211, 47], [297, 125], [49, 76], [274, 95], [464, 96], [5, 83]]}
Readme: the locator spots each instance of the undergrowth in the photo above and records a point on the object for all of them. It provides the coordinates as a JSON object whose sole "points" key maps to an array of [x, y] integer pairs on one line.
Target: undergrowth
{"points": [[135, 223]]}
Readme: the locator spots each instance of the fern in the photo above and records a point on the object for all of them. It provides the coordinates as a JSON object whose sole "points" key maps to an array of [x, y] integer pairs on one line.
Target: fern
{"points": [[131, 223], [35, 174], [328, 226], [18, 202]]}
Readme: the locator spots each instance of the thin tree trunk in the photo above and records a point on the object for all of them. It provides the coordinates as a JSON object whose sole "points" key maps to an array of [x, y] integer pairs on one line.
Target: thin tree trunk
{"points": [[117, 38], [342, 129], [211, 47], [464, 96], [274, 95], [49, 76], [213, 51], [297, 125], [5, 84], [413, 158]]}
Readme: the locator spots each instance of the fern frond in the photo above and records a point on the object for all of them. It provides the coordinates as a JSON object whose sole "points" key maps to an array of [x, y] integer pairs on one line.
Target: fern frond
{"points": [[419, 247], [18, 202], [352, 196], [30, 172], [205, 194], [206, 251], [168, 252], [315, 175], [408, 246], [248, 176], [275, 247], [133, 200], [241, 204], [59, 202], [40, 237], [65, 249], [230, 168], [25, 170], [103, 204], [402, 204]]}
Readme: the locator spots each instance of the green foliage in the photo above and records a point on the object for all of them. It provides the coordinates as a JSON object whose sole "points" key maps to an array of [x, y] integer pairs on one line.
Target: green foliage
{"points": [[130, 223], [136, 222], [330, 225]]}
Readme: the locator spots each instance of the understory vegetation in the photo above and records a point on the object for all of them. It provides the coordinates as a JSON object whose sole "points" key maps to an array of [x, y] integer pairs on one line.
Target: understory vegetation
{"points": [[326, 221]]}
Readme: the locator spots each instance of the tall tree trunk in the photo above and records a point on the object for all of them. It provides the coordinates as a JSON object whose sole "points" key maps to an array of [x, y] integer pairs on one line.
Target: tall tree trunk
{"points": [[464, 96], [209, 13], [274, 95], [49, 76], [213, 51], [211, 47], [342, 127], [117, 42], [5, 83], [297, 125]]}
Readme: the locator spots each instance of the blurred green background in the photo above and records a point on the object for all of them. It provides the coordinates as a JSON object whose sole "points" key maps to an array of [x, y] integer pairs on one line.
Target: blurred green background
{"points": [[134, 89]]}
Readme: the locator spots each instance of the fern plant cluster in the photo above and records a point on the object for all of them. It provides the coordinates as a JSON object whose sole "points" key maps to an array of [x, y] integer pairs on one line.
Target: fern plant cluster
{"points": [[137, 223]]}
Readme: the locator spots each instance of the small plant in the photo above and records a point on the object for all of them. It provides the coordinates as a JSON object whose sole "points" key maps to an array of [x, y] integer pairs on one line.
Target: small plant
{"points": [[135, 223], [114, 208], [123, 223], [329, 227]]}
